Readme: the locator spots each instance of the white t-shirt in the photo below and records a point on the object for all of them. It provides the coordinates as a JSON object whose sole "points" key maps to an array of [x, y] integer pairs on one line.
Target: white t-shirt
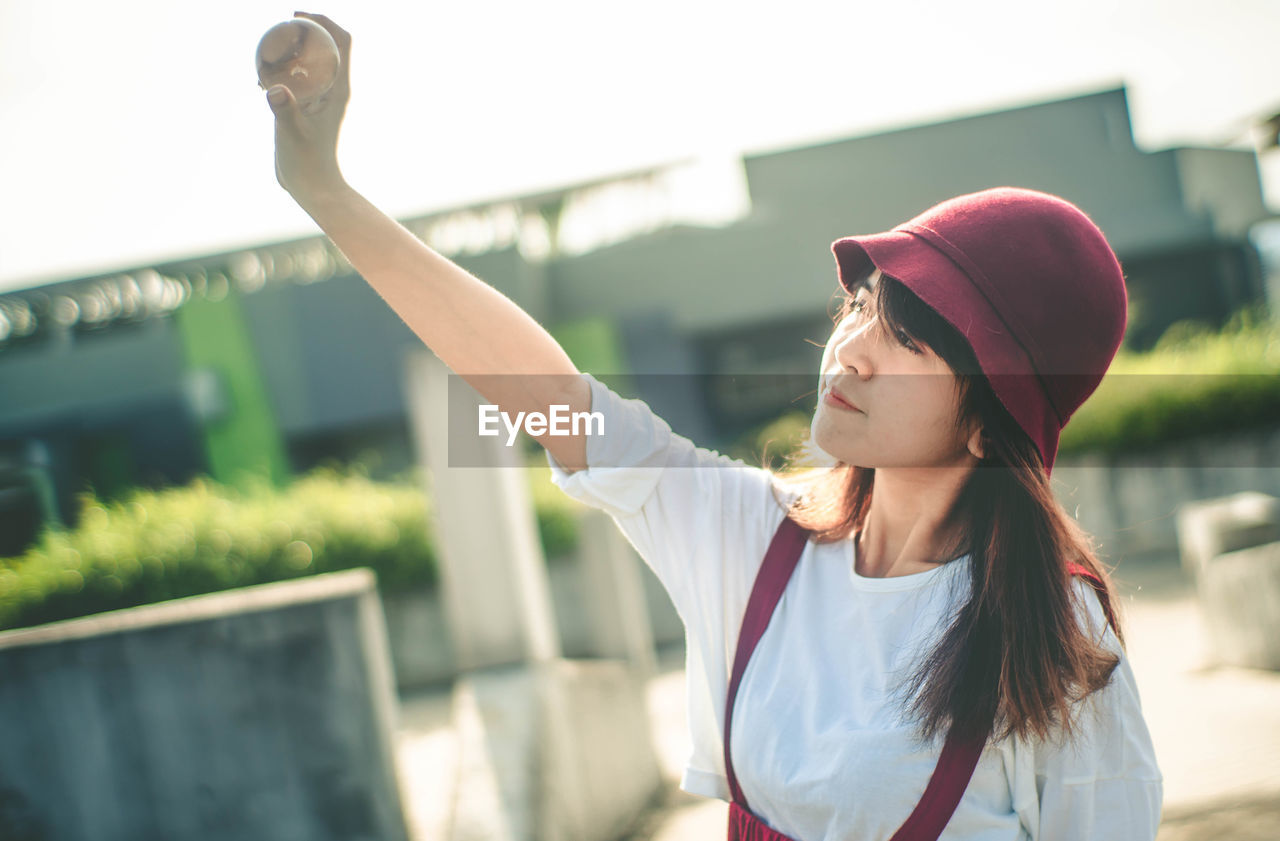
{"points": [[818, 747]]}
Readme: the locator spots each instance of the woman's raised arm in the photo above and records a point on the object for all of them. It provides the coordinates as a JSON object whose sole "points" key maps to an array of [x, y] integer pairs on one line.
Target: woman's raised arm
{"points": [[475, 330]]}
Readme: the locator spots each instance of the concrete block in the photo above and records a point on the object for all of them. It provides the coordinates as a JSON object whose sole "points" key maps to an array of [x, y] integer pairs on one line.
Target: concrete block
{"points": [[263, 712], [421, 650], [1240, 596], [1213, 527], [558, 750]]}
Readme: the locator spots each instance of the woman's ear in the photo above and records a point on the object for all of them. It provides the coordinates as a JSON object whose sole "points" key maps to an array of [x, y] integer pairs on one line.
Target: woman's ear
{"points": [[975, 444]]}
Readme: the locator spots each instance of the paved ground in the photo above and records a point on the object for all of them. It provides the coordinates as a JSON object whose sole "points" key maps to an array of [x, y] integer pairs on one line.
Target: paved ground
{"points": [[1216, 731]]}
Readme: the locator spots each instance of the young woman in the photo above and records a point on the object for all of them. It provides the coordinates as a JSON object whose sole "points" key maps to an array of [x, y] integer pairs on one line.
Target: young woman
{"points": [[914, 641]]}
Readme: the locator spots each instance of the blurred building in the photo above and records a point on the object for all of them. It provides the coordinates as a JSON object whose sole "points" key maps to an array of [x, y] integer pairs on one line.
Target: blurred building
{"points": [[275, 358]]}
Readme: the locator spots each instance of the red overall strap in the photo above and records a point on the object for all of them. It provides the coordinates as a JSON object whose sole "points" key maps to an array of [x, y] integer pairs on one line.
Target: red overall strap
{"points": [[958, 759], [942, 795], [788, 543], [1101, 589]]}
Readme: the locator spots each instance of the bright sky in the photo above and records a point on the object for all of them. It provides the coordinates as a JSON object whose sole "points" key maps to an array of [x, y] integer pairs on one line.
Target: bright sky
{"points": [[134, 131]]}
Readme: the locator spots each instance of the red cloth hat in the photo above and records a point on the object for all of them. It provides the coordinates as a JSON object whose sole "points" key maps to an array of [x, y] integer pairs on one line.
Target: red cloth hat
{"points": [[1028, 279]]}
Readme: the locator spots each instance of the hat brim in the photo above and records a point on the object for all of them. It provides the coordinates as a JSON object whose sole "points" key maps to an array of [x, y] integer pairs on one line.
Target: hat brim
{"points": [[944, 286]]}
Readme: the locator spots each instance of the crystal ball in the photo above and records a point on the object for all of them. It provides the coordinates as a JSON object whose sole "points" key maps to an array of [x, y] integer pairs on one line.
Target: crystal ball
{"points": [[301, 55]]}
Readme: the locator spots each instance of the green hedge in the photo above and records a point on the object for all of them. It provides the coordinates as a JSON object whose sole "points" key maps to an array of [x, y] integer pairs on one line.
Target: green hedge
{"points": [[770, 444], [156, 545], [1194, 382]]}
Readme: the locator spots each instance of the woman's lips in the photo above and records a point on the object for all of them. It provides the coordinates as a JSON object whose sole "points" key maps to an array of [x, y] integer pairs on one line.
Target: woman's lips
{"points": [[833, 398]]}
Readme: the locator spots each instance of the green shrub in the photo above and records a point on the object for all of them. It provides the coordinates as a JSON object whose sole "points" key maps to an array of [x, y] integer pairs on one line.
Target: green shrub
{"points": [[1193, 382], [556, 512], [152, 546], [770, 444]]}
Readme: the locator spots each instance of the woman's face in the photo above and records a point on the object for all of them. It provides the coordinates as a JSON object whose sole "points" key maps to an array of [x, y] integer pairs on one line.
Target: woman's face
{"points": [[906, 396]]}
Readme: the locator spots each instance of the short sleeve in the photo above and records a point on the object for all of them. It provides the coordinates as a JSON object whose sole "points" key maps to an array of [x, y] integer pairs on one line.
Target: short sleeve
{"points": [[1105, 785], [702, 522], [685, 508]]}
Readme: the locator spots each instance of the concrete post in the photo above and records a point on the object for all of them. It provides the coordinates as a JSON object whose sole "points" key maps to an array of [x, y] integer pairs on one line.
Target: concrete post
{"points": [[492, 572], [614, 593], [548, 749]]}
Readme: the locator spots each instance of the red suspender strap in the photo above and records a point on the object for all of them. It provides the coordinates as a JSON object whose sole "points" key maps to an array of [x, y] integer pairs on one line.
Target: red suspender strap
{"points": [[942, 795], [955, 765], [1099, 588], [788, 543], [958, 760]]}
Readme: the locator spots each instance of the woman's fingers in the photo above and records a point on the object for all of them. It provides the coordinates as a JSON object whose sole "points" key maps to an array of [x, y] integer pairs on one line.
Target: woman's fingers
{"points": [[341, 85], [287, 112], [282, 103], [306, 132]]}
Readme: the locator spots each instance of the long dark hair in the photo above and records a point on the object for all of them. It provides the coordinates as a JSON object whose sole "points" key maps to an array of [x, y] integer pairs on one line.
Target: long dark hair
{"points": [[1018, 654]]}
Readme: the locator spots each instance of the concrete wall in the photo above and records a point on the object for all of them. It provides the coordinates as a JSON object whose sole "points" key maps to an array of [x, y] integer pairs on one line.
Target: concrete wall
{"points": [[1130, 503], [422, 653], [265, 712]]}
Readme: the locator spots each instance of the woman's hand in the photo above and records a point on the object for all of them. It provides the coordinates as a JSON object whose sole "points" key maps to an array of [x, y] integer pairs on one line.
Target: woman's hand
{"points": [[307, 144]]}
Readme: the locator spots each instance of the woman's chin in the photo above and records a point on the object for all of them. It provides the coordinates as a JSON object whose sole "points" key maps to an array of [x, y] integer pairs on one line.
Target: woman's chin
{"points": [[835, 453]]}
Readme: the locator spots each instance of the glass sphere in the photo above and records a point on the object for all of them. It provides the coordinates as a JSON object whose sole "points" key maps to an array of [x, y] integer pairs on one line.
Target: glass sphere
{"points": [[301, 55]]}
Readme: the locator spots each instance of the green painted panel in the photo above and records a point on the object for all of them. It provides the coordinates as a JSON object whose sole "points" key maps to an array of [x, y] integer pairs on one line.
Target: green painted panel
{"points": [[245, 442], [595, 347], [592, 344]]}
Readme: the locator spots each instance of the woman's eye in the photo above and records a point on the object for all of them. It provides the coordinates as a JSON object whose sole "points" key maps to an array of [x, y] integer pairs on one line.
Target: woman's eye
{"points": [[857, 308], [906, 342]]}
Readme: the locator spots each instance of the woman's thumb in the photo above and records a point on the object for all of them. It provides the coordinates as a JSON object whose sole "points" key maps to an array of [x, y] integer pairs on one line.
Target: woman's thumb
{"points": [[279, 98]]}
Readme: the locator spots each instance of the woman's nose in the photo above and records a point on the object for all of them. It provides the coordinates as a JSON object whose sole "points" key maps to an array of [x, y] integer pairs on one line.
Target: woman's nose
{"points": [[854, 350]]}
